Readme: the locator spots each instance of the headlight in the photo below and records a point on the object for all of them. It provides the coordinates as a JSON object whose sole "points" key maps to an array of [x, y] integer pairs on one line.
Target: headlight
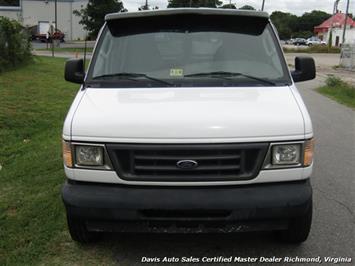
{"points": [[87, 155], [289, 154], [286, 154]]}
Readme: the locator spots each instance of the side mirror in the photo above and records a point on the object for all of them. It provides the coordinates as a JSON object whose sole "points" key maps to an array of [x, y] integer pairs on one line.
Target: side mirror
{"points": [[305, 69], [74, 71]]}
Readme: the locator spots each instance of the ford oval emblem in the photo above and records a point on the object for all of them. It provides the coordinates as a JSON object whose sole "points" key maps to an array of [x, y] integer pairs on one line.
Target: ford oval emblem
{"points": [[187, 164]]}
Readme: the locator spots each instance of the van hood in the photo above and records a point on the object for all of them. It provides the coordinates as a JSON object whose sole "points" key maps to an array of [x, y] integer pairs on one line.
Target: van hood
{"points": [[187, 115]]}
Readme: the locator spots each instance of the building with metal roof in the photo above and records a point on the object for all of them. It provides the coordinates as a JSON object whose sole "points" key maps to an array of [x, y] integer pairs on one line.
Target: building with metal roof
{"points": [[335, 24]]}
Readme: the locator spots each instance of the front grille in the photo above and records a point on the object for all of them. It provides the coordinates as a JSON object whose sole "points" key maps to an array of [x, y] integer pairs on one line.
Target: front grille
{"points": [[167, 162]]}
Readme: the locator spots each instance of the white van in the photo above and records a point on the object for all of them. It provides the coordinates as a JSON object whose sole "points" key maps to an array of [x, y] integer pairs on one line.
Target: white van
{"points": [[188, 120]]}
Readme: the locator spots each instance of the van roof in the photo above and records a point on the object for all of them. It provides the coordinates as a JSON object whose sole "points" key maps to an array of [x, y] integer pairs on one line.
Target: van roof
{"points": [[179, 11]]}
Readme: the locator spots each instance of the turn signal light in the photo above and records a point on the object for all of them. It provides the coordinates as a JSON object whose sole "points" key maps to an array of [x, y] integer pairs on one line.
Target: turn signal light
{"points": [[67, 154], [308, 152]]}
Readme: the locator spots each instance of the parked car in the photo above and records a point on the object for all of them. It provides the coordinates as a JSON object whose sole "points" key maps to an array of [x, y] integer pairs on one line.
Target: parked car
{"points": [[188, 120], [290, 41], [315, 41], [300, 41]]}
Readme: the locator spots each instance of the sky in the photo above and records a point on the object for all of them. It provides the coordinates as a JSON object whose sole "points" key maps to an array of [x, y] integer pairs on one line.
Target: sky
{"points": [[297, 7]]}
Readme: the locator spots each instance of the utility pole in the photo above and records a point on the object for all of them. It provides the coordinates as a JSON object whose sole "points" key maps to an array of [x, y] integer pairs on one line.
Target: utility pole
{"points": [[53, 31], [55, 15], [262, 7], [345, 22]]}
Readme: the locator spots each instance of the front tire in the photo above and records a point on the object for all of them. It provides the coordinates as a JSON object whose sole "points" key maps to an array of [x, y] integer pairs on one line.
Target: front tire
{"points": [[79, 232], [298, 228]]}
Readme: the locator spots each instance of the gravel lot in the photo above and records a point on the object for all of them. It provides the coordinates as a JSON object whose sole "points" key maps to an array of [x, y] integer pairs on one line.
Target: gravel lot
{"points": [[326, 65]]}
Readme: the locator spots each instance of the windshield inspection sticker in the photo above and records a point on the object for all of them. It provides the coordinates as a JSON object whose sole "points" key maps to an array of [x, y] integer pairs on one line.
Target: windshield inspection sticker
{"points": [[176, 72]]}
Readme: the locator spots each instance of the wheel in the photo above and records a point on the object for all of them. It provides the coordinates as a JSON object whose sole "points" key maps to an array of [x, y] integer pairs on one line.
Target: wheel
{"points": [[298, 228], [79, 232]]}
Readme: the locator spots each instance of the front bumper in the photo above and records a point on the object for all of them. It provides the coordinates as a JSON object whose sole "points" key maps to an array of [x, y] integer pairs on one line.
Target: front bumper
{"points": [[137, 208]]}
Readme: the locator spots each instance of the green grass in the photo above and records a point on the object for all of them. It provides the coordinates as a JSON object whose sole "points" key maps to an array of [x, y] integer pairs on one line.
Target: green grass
{"points": [[340, 91], [314, 49], [69, 50], [33, 103]]}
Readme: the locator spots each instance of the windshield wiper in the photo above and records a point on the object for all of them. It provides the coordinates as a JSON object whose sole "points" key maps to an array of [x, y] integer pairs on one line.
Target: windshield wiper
{"points": [[132, 76], [225, 74]]}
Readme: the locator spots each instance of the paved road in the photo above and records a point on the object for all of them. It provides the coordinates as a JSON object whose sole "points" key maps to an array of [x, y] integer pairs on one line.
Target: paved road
{"points": [[62, 54], [333, 180], [39, 45], [322, 60]]}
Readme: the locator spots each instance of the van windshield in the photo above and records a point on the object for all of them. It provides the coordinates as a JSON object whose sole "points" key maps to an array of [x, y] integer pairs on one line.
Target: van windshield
{"points": [[185, 51]]}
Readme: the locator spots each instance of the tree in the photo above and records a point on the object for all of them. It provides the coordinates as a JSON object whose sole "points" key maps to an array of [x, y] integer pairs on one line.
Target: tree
{"points": [[15, 45], [308, 21], [247, 7], [285, 23], [93, 15], [289, 25], [194, 3]]}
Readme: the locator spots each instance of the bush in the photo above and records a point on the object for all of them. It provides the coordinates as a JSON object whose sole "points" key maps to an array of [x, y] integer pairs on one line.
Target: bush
{"points": [[15, 46], [333, 81]]}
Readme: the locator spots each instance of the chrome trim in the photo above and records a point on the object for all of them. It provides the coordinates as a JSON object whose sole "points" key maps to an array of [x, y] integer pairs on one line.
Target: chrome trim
{"points": [[264, 176], [187, 164]]}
